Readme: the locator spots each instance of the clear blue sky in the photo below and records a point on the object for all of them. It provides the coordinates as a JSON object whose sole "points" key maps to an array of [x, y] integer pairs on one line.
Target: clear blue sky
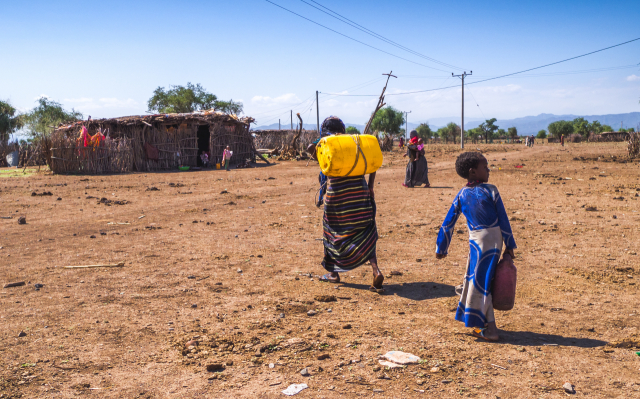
{"points": [[106, 58]]}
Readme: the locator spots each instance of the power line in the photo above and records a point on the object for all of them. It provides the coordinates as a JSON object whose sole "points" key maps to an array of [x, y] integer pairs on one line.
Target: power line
{"points": [[270, 112], [557, 62], [496, 77], [355, 40], [358, 87], [374, 34], [391, 94], [559, 73], [290, 109], [476, 101]]}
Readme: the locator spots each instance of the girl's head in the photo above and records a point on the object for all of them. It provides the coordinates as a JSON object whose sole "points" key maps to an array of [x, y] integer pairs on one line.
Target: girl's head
{"points": [[473, 166], [420, 141], [228, 148]]}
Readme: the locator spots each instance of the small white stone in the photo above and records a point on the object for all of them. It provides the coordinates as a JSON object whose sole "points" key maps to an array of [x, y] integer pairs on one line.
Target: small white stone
{"points": [[568, 388], [391, 365], [401, 357]]}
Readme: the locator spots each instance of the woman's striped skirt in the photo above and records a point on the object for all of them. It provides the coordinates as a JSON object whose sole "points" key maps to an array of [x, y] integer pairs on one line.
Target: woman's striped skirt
{"points": [[349, 224]]}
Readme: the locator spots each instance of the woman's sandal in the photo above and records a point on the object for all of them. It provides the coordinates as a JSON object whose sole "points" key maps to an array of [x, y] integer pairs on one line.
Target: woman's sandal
{"points": [[479, 333], [376, 285], [327, 278]]}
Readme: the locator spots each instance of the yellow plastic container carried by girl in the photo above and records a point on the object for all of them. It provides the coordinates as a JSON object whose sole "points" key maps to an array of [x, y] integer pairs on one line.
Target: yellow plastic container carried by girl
{"points": [[349, 155]]}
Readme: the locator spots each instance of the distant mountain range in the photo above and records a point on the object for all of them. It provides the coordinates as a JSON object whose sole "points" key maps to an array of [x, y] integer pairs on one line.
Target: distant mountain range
{"points": [[526, 125]]}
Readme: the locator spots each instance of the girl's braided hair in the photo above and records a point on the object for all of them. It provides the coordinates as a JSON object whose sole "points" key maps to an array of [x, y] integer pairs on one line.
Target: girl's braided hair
{"points": [[466, 161]]}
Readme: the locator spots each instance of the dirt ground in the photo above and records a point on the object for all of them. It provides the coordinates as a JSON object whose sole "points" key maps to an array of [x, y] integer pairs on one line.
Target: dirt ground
{"points": [[230, 261]]}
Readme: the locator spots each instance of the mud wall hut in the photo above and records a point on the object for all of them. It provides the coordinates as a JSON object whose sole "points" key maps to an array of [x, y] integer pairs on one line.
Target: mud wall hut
{"points": [[149, 142]]}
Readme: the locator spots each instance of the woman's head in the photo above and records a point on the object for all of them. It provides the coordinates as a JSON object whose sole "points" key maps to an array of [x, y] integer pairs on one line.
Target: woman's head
{"points": [[228, 148], [472, 166], [413, 134], [332, 125]]}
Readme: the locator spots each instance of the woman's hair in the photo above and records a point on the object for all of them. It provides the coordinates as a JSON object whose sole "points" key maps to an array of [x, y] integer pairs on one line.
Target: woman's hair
{"points": [[413, 134], [466, 161], [333, 124]]}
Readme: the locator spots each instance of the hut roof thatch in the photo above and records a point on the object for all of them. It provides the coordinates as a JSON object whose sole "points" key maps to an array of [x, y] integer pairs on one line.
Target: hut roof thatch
{"points": [[208, 116]]}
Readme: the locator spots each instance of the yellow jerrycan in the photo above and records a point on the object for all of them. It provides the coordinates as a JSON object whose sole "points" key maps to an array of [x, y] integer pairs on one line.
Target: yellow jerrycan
{"points": [[349, 155]]}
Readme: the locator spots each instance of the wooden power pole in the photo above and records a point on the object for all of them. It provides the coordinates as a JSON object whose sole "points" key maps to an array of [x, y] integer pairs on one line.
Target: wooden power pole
{"points": [[462, 76]]}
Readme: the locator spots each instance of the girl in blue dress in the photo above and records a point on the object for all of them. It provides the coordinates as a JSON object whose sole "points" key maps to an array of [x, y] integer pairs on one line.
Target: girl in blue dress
{"points": [[489, 228]]}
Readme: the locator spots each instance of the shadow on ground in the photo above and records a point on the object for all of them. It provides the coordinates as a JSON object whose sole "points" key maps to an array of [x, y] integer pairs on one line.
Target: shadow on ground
{"points": [[414, 291], [526, 338]]}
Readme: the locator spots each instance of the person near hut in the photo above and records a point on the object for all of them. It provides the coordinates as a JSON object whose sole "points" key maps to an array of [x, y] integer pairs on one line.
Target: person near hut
{"points": [[417, 171], [489, 228], [562, 140], [226, 157], [401, 143], [349, 221]]}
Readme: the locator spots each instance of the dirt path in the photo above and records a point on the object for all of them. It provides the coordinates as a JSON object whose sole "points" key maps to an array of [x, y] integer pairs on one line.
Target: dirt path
{"points": [[230, 261]]}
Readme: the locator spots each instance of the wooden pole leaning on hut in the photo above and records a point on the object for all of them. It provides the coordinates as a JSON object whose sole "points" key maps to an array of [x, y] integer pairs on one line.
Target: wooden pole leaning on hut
{"points": [[381, 102]]}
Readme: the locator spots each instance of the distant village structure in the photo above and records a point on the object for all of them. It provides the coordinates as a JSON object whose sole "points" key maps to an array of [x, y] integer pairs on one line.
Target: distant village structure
{"points": [[149, 142]]}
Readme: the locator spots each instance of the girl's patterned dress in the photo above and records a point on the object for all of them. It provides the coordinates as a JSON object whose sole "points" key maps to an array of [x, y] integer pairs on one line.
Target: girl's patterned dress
{"points": [[489, 227]]}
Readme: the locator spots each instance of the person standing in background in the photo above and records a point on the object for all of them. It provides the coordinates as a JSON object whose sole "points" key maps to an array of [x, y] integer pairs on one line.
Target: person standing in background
{"points": [[226, 156]]}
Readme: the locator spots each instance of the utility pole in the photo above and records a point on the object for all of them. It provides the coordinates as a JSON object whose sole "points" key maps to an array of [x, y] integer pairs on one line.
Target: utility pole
{"points": [[291, 119], [406, 121], [279, 124], [462, 76], [318, 114]]}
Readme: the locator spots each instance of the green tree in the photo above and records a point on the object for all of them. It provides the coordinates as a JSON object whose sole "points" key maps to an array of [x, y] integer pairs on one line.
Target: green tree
{"points": [[388, 120], [189, 98], [451, 131], [473, 134], [9, 121], [513, 133], [606, 128], [46, 116], [488, 128], [424, 131], [582, 127], [500, 134], [352, 130], [559, 128], [229, 107], [596, 127], [542, 134]]}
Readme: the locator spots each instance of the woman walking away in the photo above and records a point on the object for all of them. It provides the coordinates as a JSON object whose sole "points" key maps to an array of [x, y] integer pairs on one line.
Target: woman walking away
{"points": [[417, 172], [226, 156], [488, 228], [349, 222]]}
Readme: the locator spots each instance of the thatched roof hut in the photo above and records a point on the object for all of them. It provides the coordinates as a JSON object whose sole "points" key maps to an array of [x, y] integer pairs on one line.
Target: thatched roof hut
{"points": [[149, 142]]}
